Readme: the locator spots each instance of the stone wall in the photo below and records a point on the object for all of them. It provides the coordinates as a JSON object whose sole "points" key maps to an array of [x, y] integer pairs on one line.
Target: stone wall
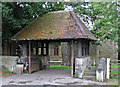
{"points": [[106, 49], [8, 62]]}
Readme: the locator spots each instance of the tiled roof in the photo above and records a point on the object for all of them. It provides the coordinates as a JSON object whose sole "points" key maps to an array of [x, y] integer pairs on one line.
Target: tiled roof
{"points": [[55, 25]]}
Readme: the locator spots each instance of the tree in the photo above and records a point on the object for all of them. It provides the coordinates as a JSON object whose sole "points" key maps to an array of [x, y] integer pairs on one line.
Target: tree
{"points": [[103, 16], [16, 15]]}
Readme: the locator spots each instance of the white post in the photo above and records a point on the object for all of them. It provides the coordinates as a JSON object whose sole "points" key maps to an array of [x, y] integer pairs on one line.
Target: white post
{"points": [[94, 63], [108, 68], [12, 68]]}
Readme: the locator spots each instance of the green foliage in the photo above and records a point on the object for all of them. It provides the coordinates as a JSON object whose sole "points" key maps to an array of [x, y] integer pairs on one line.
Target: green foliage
{"points": [[13, 19], [16, 15], [104, 17]]}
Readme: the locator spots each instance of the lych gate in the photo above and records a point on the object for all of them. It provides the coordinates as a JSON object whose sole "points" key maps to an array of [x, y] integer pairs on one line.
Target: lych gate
{"points": [[59, 26]]}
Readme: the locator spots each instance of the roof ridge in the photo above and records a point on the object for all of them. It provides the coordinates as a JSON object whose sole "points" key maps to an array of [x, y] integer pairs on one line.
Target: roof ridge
{"points": [[78, 23]]}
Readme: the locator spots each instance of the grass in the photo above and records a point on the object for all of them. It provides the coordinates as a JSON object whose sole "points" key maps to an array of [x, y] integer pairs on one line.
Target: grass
{"points": [[115, 65], [4, 73], [93, 66], [69, 67], [60, 67], [113, 72]]}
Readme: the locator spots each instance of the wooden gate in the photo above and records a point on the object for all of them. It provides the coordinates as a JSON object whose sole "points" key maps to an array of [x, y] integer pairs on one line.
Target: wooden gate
{"points": [[34, 64], [114, 68]]}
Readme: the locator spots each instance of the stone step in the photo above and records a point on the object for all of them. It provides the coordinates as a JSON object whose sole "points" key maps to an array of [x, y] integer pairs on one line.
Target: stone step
{"points": [[90, 73], [90, 70], [89, 77], [93, 68]]}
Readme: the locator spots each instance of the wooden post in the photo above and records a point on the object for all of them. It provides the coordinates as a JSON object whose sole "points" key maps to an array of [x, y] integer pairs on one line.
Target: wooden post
{"points": [[108, 68], [29, 57], [79, 49], [72, 60], [24, 50]]}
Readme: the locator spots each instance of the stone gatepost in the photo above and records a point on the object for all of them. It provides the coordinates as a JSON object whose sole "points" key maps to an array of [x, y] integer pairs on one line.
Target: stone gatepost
{"points": [[101, 70], [78, 68], [81, 64]]}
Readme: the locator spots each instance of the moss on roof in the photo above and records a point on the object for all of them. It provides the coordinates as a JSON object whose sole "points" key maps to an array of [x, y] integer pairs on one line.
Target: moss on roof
{"points": [[53, 25]]}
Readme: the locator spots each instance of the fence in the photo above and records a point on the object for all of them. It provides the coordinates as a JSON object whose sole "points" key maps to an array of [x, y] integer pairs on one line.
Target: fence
{"points": [[114, 68]]}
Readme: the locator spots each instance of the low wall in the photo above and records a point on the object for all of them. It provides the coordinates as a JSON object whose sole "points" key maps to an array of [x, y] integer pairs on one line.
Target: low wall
{"points": [[8, 62], [81, 64]]}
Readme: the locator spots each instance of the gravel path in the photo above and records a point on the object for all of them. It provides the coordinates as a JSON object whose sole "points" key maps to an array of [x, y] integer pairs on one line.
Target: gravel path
{"points": [[47, 77]]}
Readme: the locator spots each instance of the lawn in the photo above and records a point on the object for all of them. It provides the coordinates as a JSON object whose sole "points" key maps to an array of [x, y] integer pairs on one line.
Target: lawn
{"points": [[114, 72], [4, 74], [115, 65], [93, 66], [63, 67], [60, 67]]}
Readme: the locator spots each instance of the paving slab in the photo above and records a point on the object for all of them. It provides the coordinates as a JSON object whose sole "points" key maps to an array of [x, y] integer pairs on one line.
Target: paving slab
{"points": [[47, 77]]}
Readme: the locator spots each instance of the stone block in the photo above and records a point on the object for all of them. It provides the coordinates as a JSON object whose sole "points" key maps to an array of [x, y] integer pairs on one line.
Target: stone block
{"points": [[101, 70], [81, 64], [19, 68]]}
